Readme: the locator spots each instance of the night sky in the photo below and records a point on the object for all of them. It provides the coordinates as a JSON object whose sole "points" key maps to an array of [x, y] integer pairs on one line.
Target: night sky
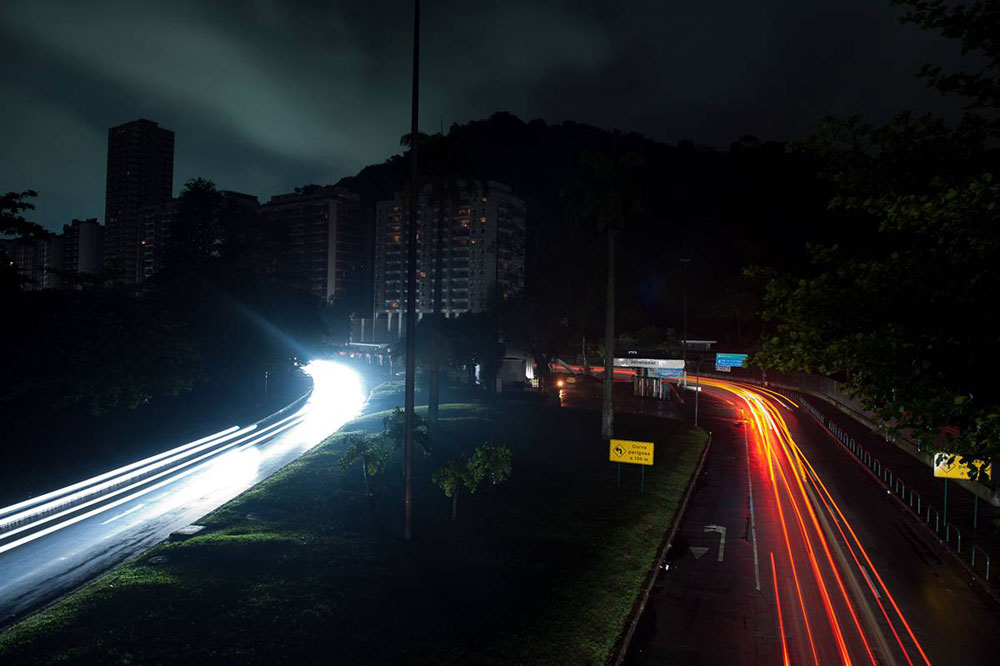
{"points": [[266, 95]]}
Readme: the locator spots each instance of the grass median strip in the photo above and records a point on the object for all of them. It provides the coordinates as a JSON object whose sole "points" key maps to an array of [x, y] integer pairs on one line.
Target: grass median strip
{"points": [[303, 568]]}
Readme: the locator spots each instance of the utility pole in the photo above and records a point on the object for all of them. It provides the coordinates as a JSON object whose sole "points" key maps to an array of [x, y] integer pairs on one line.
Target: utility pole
{"points": [[684, 300], [411, 289]]}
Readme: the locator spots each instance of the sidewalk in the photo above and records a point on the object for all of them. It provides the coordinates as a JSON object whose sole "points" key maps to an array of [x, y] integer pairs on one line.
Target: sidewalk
{"points": [[913, 482]]}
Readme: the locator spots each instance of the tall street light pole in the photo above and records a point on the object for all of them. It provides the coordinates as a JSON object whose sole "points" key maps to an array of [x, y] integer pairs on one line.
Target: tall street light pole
{"points": [[684, 300], [411, 290]]}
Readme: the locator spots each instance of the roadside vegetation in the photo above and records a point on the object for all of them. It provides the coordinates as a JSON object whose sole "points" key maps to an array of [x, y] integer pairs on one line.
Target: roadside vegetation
{"points": [[543, 565]]}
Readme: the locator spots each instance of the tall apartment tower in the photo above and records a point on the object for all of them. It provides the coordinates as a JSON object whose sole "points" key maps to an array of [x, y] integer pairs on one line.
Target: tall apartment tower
{"points": [[37, 260], [482, 262], [140, 175], [326, 243], [83, 243]]}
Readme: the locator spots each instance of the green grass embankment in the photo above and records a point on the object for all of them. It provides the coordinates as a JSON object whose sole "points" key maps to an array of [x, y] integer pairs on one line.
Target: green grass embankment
{"points": [[302, 569]]}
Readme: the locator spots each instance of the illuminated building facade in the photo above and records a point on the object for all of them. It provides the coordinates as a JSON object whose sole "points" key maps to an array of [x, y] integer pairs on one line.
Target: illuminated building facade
{"points": [[483, 254]]}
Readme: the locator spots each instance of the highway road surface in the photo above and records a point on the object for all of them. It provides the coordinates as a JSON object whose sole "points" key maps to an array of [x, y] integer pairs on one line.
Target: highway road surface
{"points": [[790, 553], [59, 540]]}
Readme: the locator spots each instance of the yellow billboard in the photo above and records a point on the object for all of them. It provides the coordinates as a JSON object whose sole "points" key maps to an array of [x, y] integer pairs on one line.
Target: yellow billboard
{"points": [[955, 466], [635, 453]]}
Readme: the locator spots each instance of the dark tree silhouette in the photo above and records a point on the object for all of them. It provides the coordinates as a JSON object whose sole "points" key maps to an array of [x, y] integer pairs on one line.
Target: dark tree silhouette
{"points": [[609, 199], [898, 309]]}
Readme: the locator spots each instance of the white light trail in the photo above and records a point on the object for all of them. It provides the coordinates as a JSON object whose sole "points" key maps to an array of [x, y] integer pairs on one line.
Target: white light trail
{"points": [[121, 470]]}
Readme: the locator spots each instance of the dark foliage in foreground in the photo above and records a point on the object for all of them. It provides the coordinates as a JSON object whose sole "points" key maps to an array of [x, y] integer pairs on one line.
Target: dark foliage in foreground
{"points": [[900, 308], [215, 311]]}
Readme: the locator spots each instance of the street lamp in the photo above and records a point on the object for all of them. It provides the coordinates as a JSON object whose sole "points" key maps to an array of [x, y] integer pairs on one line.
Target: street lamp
{"points": [[684, 300]]}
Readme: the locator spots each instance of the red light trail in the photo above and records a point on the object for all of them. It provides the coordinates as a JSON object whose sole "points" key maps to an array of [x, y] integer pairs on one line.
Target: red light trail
{"points": [[830, 602]]}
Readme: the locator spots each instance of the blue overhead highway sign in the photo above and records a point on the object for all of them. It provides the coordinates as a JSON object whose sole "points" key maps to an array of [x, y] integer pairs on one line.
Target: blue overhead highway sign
{"points": [[731, 360]]}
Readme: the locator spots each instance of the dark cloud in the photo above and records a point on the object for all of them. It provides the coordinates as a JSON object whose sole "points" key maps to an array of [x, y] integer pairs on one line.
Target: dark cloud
{"points": [[265, 95]]}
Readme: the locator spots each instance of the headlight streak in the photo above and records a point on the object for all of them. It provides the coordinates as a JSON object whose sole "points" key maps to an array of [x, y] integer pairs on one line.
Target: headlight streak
{"points": [[825, 495], [101, 477], [867, 580], [828, 605], [247, 435], [782, 399], [781, 620], [791, 559], [771, 437], [812, 476], [336, 398], [101, 509]]}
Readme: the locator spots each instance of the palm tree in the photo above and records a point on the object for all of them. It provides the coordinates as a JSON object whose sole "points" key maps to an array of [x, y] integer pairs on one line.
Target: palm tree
{"points": [[445, 170], [608, 197], [445, 166]]}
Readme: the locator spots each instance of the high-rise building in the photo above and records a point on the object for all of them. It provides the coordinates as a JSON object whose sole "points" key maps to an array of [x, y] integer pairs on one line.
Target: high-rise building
{"points": [[140, 174], [83, 244], [155, 225], [326, 243], [238, 211], [45, 262], [482, 261], [37, 260]]}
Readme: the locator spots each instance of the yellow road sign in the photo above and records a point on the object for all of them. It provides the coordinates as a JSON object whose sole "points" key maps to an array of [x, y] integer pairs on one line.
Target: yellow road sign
{"points": [[954, 466], [627, 451]]}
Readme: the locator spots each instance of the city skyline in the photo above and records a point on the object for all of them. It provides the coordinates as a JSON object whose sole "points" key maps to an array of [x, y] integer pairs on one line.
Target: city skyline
{"points": [[274, 104]]}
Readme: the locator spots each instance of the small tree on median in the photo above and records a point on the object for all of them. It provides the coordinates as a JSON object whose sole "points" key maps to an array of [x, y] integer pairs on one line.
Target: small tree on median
{"points": [[372, 451], [450, 479], [488, 461], [394, 430]]}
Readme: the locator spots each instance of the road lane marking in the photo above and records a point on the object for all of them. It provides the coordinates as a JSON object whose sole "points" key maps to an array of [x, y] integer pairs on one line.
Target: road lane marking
{"points": [[781, 621], [873, 588], [753, 520], [123, 514], [722, 537]]}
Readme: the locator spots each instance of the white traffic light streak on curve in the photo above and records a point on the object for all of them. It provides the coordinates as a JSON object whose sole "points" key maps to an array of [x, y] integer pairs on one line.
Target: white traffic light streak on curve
{"points": [[336, 398], [91, 483]]}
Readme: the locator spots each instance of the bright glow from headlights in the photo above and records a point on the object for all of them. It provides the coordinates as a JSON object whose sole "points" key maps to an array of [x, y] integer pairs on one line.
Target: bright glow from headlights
{"points": [[337, 398], [215, 474], [93, 486]]}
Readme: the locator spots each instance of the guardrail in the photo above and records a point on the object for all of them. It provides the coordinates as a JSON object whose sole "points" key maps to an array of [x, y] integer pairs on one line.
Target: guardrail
{"points": [[986, 555], [895, 484], [832, 392], [947, 536], [21, 514]]}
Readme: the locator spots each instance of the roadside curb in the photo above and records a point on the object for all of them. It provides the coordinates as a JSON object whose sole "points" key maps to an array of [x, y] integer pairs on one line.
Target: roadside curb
{"points": [[633, 620], [975, 579]]}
